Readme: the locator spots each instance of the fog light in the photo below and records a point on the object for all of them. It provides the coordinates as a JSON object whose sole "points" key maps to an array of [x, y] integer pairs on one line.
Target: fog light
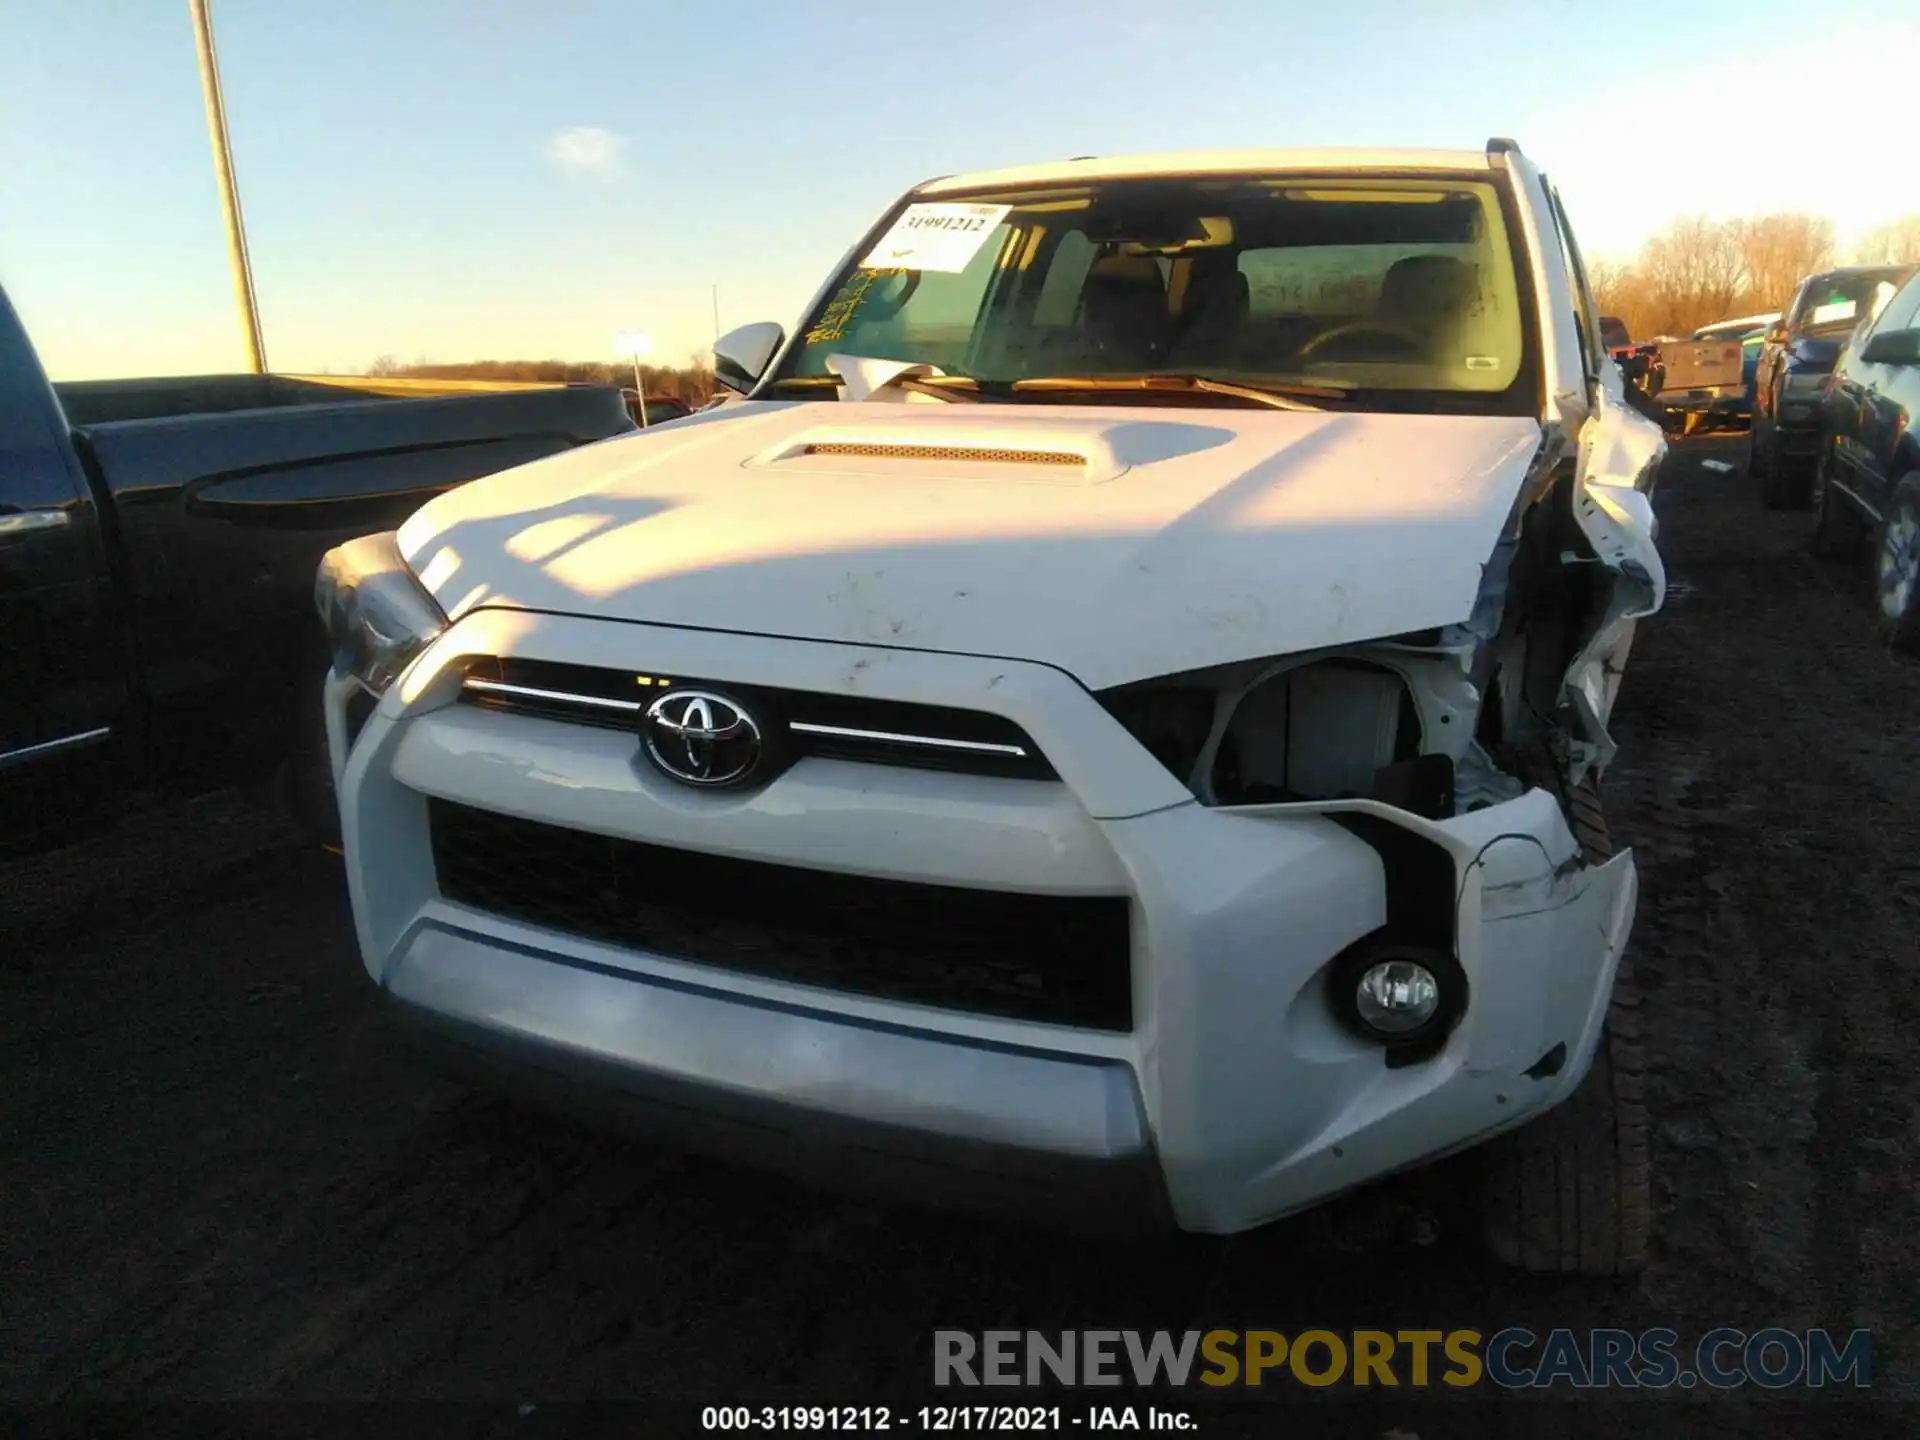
{"points": [[1396, 997], [1404, 997]]}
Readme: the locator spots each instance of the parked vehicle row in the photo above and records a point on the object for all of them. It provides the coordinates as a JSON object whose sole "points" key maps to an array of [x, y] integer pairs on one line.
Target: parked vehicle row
{"points": [[1639, 365], [1795, 364], [1706, 380], [158, 540], [657, 409], [1865, 480], [1108, 724], [1749, 332]]}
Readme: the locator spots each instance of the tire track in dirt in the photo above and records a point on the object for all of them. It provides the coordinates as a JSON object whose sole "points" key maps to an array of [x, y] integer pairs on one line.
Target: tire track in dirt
{"points": [[1773, 796]]}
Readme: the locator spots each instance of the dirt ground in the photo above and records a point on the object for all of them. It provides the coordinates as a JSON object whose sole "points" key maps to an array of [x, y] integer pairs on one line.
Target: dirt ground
{"points": [[221, 1181]]}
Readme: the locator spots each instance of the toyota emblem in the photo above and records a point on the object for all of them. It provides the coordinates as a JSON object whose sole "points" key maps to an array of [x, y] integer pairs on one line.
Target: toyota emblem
{"points": [[700, 738]]}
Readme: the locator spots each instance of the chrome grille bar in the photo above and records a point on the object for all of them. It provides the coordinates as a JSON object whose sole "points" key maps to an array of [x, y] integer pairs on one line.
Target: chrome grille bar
{"points": [[559, 697], [856, 728], [844, 732]]}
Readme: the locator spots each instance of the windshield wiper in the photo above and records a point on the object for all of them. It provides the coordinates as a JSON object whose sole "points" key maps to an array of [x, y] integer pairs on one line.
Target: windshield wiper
{"points": [[1281, 395]]}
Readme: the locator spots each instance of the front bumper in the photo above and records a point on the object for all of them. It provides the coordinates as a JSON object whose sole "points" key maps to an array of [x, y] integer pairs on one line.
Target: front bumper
{"points": [[1711, 402], [1062, 1137], [1233, 1099]]}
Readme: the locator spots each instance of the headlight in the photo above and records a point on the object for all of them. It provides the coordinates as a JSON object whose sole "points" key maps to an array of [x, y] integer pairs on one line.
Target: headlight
{"points": [[377, 616], [1803, 385]]}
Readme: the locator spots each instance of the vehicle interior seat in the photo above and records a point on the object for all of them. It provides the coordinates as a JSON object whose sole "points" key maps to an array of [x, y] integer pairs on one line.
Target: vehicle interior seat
{"points": [[1425, 302], [1429, 295], [1123, 314], [1217, 306]]}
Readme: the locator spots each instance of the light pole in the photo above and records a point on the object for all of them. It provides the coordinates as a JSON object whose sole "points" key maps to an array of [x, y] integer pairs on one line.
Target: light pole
{"points": [[229, 192], [633, 344]]}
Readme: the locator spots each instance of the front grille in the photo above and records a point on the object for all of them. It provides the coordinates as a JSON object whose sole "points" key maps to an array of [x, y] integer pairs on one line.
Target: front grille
{"points": [[1059, 959], [799, 723]]}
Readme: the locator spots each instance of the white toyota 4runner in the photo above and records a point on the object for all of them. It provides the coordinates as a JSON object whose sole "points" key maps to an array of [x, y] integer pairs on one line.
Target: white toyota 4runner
{"points": [[1110, 722]]}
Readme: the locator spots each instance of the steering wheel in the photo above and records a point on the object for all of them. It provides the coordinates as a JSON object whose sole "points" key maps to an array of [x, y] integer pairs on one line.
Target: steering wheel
{"points": [[1400, 333]]}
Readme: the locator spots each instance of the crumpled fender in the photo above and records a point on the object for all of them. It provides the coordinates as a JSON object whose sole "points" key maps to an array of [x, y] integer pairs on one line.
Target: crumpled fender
{"points": [[1620, 452]]}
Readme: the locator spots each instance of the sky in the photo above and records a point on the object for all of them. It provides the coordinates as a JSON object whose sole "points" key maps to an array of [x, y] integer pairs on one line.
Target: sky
{"points": [[498, 179]]}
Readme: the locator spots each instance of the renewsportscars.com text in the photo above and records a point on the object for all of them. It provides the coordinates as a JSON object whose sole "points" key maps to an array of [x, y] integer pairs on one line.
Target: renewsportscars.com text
{"points": [[1514, 1358]]}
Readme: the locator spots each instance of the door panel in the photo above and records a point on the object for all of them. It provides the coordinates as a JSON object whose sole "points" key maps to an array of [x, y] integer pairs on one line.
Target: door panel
{"points": [[1878, 392], [62, 679]]}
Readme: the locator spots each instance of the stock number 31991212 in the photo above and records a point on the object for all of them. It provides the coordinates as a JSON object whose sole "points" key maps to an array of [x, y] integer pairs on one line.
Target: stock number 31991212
{"points": [[935, 1419]]}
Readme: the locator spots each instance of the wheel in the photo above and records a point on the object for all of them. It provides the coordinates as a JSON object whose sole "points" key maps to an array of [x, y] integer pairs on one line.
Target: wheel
{"points": [[1836, 527], [1787, 484], [311, 795], [1571, 1193], [1757, 459], [1896, 569]]}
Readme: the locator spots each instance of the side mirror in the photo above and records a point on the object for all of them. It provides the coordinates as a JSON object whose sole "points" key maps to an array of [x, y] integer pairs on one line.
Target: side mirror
{"points": [[1893, 347], [741, 357]]}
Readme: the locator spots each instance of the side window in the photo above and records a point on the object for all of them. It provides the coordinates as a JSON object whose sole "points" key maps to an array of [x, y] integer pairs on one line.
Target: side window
{"points": [[1902, 312], [1586, 314]]}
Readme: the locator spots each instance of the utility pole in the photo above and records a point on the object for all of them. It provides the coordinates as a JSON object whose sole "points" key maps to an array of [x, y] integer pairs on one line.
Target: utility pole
{"points": [[716, 310], [229, 193]]}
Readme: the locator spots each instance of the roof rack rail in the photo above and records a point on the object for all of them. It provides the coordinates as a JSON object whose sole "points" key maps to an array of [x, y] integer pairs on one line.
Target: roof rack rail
{"points": [[1501, 145]]}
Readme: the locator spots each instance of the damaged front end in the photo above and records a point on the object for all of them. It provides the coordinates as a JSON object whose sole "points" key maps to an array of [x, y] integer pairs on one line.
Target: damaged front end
{"points": [[1449, 720], [1466, 757]]}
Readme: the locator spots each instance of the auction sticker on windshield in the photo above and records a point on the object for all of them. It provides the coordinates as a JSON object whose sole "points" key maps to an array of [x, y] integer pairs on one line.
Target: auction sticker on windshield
{"points": [[935, 237]]}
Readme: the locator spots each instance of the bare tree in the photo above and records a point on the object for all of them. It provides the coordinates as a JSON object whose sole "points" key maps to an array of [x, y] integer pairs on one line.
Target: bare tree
{"points": [[1777, 251], [1895, 243], [1619, 291], [699, 373], [1693, 271], [1699, 270], [1609, 279]]}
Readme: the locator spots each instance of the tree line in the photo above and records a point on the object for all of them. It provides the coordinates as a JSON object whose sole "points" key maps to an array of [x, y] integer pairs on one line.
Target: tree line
{"points": [[692, 382], [1699, 270]]}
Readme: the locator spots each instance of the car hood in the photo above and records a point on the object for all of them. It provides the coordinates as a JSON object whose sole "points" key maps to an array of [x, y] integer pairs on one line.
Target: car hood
{"points": [[1115, 543]]}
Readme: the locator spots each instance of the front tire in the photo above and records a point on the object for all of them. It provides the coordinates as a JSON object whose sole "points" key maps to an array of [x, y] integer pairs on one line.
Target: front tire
{"points": [[1837, 531], [1788, 485], [1571, 1193], [1758, 461], [1896, 569], [315, 805]]}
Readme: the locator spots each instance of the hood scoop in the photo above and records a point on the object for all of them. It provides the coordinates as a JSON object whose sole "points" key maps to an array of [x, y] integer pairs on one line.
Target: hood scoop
{"points": [[936, 447], [966, 454]]}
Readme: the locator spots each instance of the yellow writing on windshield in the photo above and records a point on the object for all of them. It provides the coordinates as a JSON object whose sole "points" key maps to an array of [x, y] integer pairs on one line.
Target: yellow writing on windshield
{"points": [[840, 310]]}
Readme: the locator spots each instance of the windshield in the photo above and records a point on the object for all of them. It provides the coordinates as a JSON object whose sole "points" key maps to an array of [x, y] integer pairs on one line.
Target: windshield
{"points": [[1839, 302], [1374, 290]]}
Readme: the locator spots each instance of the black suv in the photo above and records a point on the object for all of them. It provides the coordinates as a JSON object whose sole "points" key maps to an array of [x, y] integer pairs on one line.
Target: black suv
{"points": [[1867, 485], [1794, 365]]}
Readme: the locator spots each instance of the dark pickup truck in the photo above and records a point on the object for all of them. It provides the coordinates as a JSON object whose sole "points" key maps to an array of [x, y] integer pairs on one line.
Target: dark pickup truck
{"points": [[158, 544]]}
